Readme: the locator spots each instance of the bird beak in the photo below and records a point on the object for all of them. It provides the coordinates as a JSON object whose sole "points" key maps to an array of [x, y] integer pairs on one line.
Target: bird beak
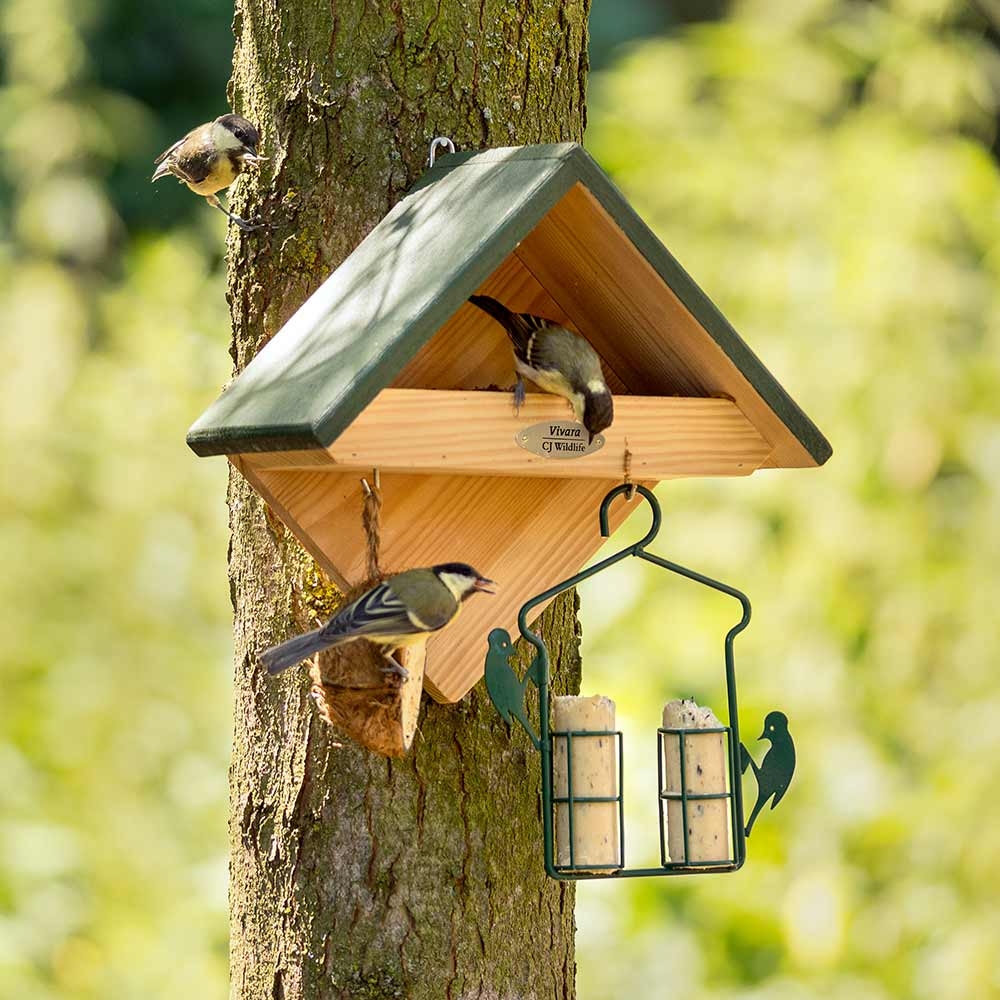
{"points": [[763, 736], [484, 585]]}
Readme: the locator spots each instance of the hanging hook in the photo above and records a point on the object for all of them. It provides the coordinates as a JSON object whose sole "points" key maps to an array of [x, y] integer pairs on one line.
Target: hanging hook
{"points": [[441, 142], [627, 488], [635, 549]]}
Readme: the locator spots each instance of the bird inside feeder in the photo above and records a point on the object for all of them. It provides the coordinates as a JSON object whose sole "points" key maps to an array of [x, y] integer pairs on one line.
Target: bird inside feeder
{"points": [[557, 360]]}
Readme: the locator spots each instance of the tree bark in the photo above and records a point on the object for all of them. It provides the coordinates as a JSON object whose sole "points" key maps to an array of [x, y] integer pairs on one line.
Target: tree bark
{"points": [[352, 875]]}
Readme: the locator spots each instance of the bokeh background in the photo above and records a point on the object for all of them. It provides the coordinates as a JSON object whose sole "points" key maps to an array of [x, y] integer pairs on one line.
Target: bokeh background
{"points": [[827, 170]]}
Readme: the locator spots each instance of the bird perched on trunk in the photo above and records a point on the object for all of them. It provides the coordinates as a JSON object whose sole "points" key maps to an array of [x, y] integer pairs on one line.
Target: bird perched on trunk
{"points": [[210, 157], [400, 611], [556, 360], [775, 772]]}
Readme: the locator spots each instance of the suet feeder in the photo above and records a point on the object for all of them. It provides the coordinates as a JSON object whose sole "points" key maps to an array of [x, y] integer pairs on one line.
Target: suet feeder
{"points": [[383, 367], [700, 760]]}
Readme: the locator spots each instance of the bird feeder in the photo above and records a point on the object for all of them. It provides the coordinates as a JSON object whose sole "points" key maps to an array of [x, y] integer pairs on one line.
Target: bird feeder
{"points": [[700, 799], [386, 366]]}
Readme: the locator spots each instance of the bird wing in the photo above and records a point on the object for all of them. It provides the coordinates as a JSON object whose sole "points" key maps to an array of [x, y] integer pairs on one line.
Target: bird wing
{"points": [[379, 612], [555, 348], [170, 150], [520, 327], [523, 330], [191, 166]]}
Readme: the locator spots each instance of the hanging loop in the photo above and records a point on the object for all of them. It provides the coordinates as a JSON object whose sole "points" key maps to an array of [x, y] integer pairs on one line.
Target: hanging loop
{"points": [[628, 488], [441, 142], [371, 521], [627, 474]]}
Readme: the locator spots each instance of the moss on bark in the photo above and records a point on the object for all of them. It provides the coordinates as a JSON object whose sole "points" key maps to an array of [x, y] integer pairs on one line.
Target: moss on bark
{"points": [[351, 875]]}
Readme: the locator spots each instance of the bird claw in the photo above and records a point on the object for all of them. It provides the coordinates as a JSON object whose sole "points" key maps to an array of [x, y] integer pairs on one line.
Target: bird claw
{"points": [[393, 667], [520, 394], [251, 225], [248, 226]]}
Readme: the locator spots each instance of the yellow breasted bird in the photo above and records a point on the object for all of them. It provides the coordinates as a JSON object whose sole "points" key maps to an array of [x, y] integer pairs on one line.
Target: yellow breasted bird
{"points": [[210, 157], [556, 360], [402, 610]]}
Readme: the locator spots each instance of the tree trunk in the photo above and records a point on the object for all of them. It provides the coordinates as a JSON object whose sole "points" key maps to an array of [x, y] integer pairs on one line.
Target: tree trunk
{"points": [[352, 875]]}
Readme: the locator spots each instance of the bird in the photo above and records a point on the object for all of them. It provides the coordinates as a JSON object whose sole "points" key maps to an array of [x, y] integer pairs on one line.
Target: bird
{"points": [[556, 360], [505, 688], [401, 611], [775, 773], [210, 157]]}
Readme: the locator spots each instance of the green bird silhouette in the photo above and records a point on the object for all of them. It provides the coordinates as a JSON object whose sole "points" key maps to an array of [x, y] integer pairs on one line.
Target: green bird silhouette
{"points": [[505, 688], [775, 773]]}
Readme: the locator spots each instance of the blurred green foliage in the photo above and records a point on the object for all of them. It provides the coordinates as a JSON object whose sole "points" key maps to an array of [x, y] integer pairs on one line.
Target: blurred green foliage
{"points": [[824, 170], [115, 661]]}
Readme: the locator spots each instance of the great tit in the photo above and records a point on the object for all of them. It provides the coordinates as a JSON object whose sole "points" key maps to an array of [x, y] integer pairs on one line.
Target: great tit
{"points": [[210, 157], [556, 360], [402, 611]]}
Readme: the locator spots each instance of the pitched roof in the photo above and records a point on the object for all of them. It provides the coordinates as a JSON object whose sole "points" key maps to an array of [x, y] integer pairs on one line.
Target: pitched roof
{"points": [[436, 247]]}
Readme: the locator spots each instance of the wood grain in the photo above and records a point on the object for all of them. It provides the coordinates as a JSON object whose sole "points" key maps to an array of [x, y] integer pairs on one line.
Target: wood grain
{"points": [[475, 433], [456, 486], [527, 534], [635, 321], [471, 350]]}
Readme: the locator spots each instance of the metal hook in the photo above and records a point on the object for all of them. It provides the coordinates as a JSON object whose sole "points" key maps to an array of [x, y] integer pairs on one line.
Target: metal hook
{"points": [[628, 488], [441, 142], [635, 549]]}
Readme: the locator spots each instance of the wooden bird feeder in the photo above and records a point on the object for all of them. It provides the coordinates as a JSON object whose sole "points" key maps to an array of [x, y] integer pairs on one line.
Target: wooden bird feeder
{"points": [[384, 366]]}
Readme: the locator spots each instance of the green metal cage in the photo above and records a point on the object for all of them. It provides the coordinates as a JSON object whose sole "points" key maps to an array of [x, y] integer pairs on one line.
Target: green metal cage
{"points": [[508, 692]]}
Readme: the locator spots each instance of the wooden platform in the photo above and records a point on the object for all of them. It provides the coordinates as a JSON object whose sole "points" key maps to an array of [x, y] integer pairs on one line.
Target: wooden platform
{"points": [[387, 364], [457, 487]]}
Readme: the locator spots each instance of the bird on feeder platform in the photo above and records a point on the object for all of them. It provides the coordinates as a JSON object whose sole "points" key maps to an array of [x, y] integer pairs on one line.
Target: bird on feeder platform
{"points": [[401, 611], [210, 157], [775, 773], [556, 360]]}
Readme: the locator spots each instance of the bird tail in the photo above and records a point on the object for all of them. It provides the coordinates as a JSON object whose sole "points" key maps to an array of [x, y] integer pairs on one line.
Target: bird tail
{"points": [[520, 327], [493, 308], [295, 650]]}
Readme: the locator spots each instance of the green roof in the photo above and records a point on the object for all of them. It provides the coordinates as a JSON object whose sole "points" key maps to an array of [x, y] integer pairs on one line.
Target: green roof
{"points": [[450, 232]]}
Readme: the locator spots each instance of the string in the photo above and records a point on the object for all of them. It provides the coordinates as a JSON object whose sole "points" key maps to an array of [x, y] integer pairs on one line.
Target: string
{"points": [[627, 474], [371, 520]]}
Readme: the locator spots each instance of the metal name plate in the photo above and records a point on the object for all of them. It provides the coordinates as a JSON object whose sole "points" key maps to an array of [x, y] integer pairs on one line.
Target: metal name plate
{"points": [[558, 439]]}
